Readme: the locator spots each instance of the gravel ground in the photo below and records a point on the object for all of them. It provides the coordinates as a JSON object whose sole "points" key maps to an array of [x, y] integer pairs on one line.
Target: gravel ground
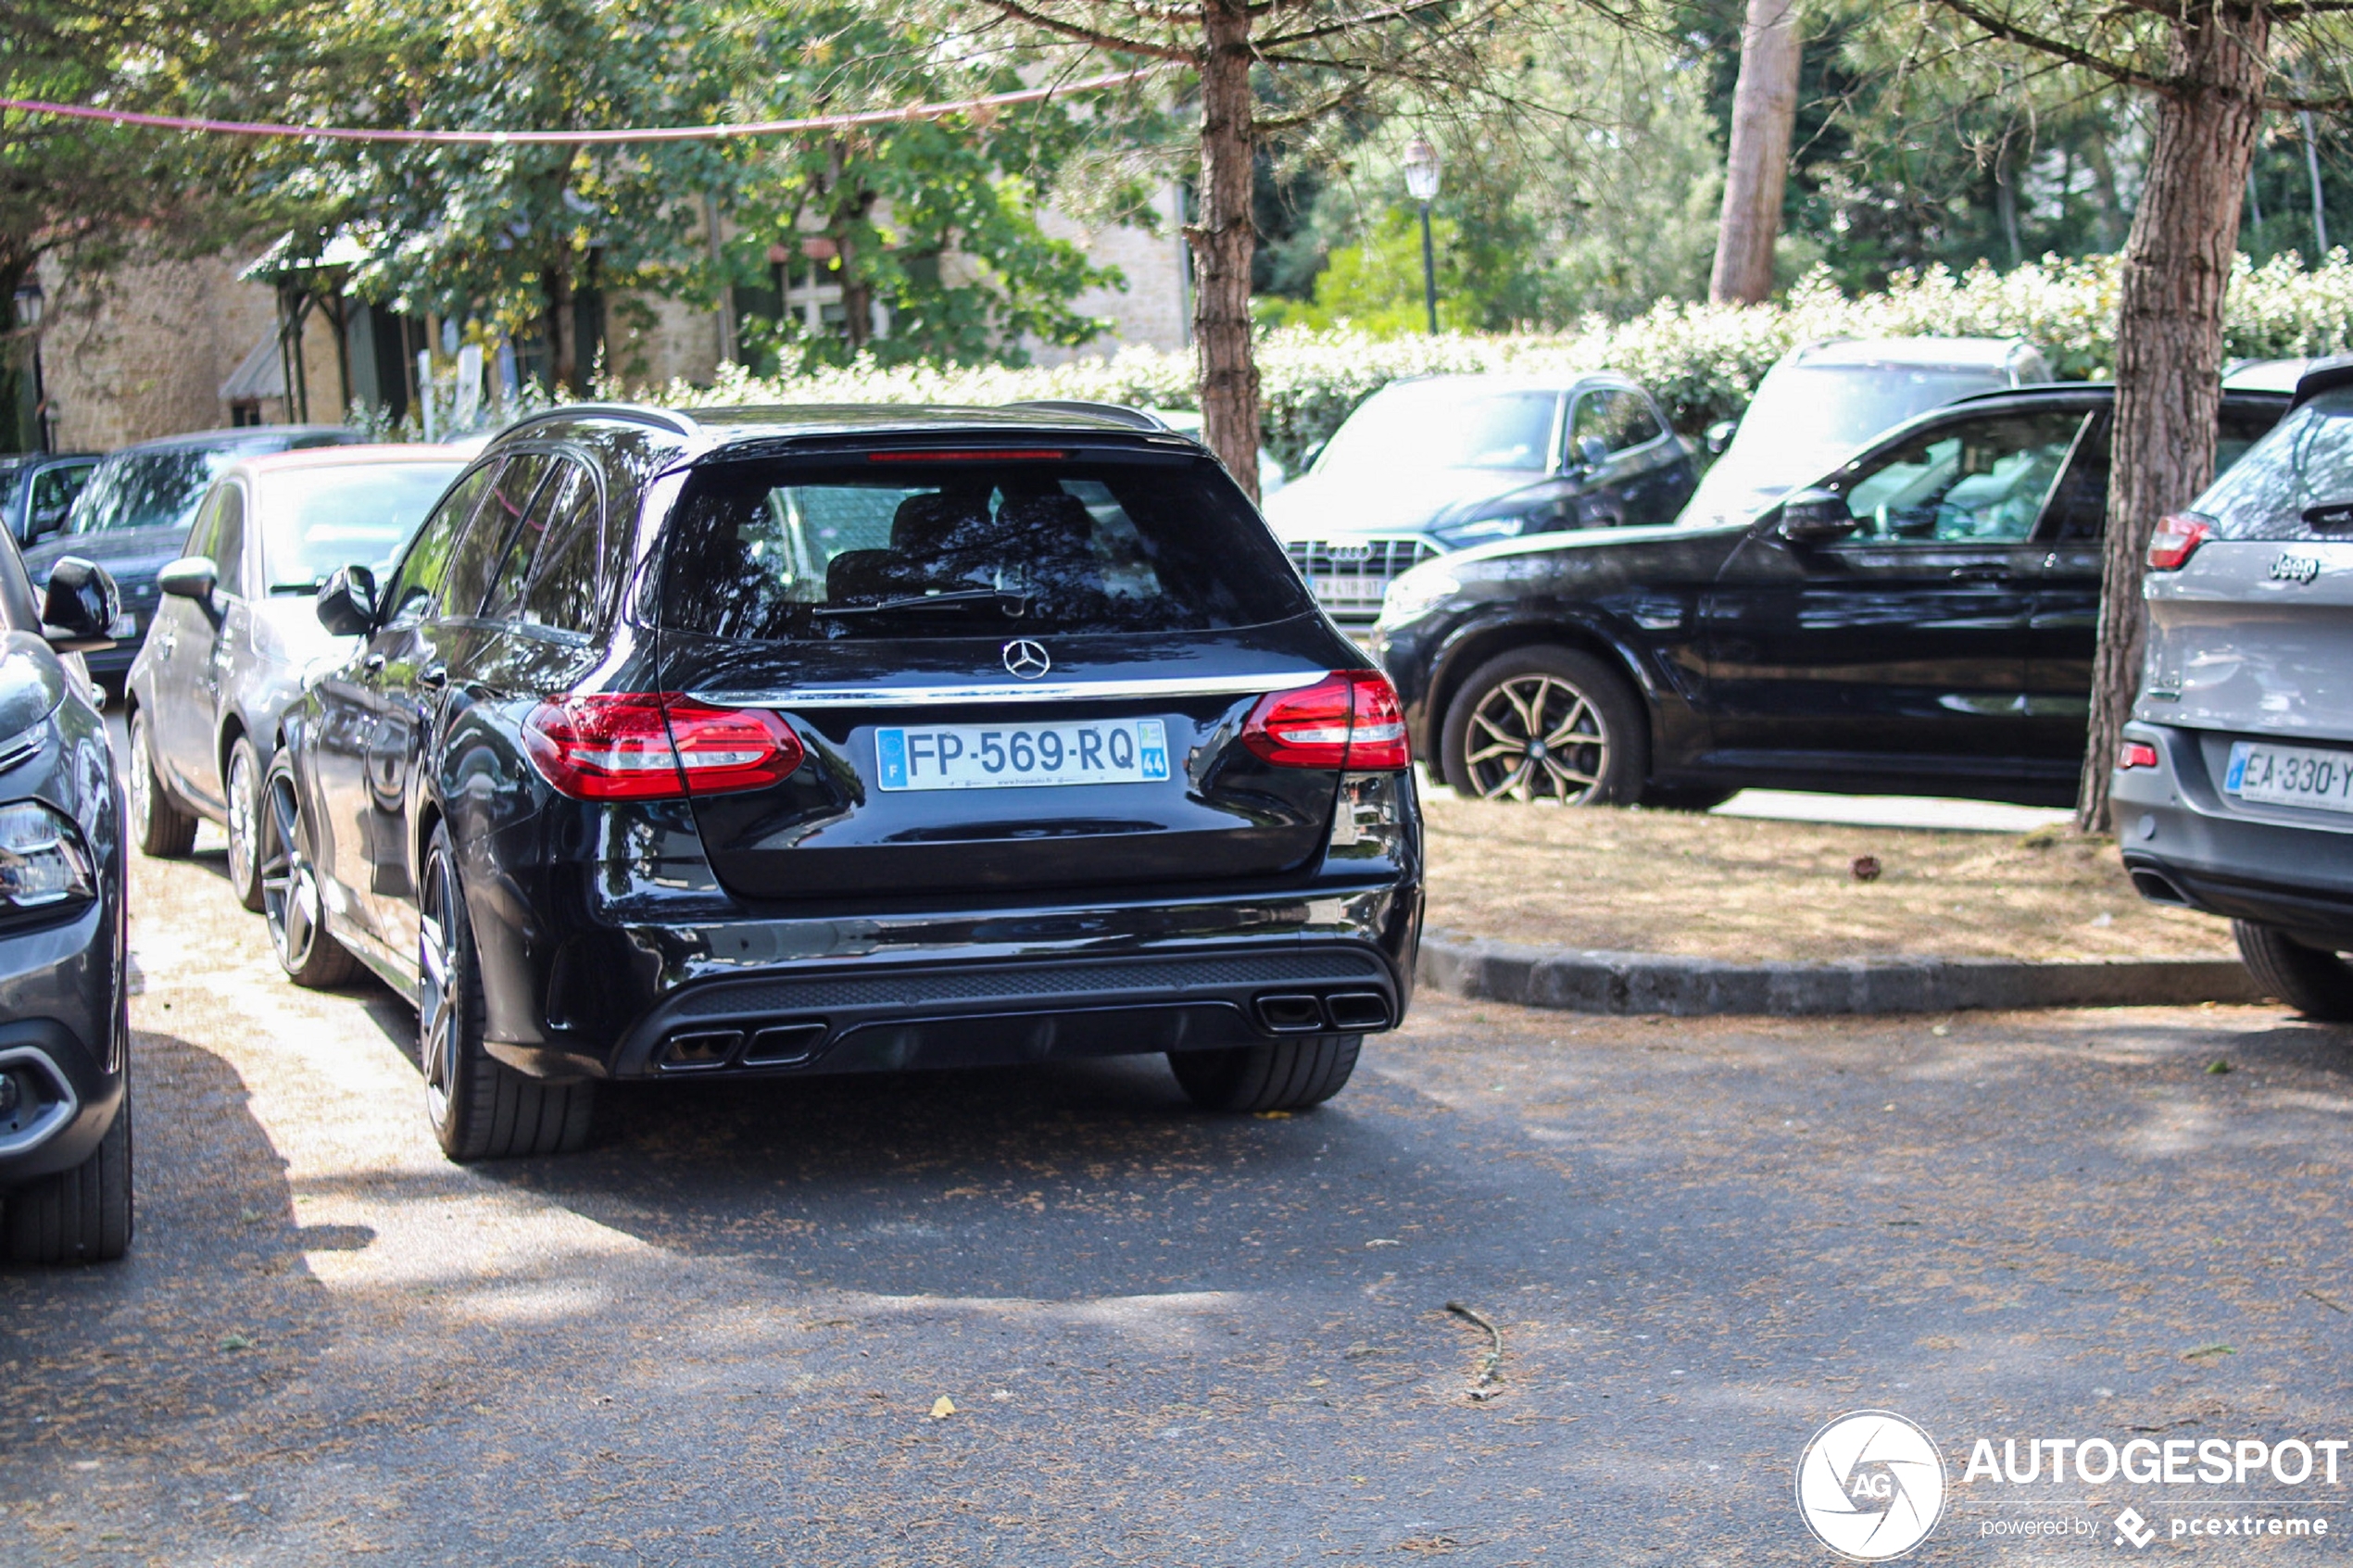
{"points": [[721, 1337], [1727, 887]]}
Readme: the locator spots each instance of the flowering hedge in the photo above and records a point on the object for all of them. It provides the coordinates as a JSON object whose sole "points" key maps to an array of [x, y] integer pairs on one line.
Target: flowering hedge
{"points": [[1702, 361]]}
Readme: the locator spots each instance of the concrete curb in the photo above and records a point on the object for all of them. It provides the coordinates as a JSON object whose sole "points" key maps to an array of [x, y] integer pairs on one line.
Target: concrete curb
{"points": [[1657, 983]]}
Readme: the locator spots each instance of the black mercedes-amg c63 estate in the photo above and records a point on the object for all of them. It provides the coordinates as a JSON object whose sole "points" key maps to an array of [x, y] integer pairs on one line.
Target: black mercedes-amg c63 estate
{"points": [[825, 740]]}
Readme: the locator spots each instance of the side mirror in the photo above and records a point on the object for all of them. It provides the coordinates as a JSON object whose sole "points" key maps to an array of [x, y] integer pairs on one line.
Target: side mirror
{"points": [[1719, 435], [1307, 458], [1813, 516], [347, 601], [47, 520], [1592, 453], [78, 610], [190, 577]]}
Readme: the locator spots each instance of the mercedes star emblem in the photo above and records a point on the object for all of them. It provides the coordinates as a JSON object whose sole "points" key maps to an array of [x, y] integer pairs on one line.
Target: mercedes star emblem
{"points": [[1026, 660]]}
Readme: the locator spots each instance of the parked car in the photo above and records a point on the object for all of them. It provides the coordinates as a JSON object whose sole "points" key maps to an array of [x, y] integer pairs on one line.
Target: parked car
{"points": [[1427, 466], [37, 491], [237, 625], [1823, 401], [132, 517], [1919, 620], [65, 1031], [844, 740], [2234, 785]]}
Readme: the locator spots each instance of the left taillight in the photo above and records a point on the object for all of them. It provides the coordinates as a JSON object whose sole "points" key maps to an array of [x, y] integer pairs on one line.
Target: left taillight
{"points": [[655, 745], [1347, 719], [2176, 539]]}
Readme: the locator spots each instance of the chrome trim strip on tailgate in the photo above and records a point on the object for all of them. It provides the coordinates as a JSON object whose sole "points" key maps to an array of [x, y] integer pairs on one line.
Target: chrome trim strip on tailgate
{"points": [[1040, 691]]}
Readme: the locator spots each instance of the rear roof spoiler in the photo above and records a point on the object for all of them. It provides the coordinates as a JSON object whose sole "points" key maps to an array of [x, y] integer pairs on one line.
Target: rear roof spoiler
{"points": [[2325, 375]]}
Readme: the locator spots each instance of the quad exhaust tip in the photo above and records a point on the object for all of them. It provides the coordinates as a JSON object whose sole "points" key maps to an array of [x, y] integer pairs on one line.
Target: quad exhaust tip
{"points": [[1346, 1012], [703, 1051]]}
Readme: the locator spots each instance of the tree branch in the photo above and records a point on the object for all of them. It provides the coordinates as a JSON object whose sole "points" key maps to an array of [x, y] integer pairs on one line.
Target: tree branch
{"points": [[2011, 33], [1100, 40], [1348, 24]]}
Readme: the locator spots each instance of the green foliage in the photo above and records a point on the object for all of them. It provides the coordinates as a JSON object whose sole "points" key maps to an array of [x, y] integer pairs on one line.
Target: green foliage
{"points": [[1377, 286], [937, 222], [1702, 361]]}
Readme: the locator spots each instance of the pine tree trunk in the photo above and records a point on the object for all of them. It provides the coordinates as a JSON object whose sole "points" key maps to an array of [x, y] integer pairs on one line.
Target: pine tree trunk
{"points": [[1224, 242], [2168, 352], [1757, 163]]}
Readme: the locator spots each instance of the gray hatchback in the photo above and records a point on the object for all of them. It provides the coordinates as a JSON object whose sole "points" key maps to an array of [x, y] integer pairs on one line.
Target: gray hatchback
{"points": [[2234, 785]]}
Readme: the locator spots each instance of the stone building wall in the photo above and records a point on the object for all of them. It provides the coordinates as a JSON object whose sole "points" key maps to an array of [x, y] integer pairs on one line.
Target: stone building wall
{"points": [[144, 353]]}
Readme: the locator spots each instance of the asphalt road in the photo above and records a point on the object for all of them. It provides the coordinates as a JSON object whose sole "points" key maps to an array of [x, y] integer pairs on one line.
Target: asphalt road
{"points": [[721, 1335]]}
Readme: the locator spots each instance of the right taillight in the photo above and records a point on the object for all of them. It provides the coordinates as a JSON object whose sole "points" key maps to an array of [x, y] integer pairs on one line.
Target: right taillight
{"points": [[655, 745], [2176, 539], [2135, 754], [1348, 719]]}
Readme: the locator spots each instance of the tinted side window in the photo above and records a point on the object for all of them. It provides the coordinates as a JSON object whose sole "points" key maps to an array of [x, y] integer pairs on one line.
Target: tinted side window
{"points": [[568, 581], [1984, 480], [2078, 509], [418, 578], [227, 546], [1619, 419], [503, 506], [54, 489]]}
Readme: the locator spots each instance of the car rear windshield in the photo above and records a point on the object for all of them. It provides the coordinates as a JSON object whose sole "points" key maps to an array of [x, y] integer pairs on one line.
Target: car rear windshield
{"points": [[316, 520], [907, 545], [2295, 484]]}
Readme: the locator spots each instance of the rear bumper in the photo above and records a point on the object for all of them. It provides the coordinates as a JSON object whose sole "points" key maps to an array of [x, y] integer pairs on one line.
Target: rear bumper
{"points": [[1010, 987], [2186, 843]]}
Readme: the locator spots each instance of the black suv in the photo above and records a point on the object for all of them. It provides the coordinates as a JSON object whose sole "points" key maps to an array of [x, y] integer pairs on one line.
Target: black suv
{"points": [[825, 740], [1921, 620]]}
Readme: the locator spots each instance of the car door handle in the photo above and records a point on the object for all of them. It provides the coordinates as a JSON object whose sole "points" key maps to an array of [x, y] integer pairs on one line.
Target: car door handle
{"points": [[434, 675], [1981, 574], [373, 663]]}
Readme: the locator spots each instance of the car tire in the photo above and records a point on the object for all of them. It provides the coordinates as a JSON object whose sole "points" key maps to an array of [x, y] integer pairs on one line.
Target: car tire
{"points": [[480, 1107], [244, 796], [162, 829], [1594, 744], [1278, 1075], [77, 1216], [2317, 984], [293, 906]]}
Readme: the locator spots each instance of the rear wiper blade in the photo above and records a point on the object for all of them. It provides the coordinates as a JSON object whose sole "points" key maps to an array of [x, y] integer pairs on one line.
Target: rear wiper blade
{"points": [[1009, 605], [2329, 517]]}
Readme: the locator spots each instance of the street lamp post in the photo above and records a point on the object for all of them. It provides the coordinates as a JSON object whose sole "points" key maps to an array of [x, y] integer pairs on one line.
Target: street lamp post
{"points": [[28, 302], [1421, 184]]}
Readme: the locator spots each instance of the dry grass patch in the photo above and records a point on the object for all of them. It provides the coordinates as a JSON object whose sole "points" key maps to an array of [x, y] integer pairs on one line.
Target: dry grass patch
{"points": [[1737, 888]]}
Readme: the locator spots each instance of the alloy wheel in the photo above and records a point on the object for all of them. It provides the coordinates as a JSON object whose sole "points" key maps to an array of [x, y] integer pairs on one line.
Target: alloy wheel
{"points": [[141, 786], [289, 883], [1537, 738], [440, 1005], [241, 822]]}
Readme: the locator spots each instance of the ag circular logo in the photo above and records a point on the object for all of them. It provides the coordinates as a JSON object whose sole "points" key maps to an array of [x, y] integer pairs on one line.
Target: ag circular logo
{"points": [[1027, 660], [1871, 1485]]}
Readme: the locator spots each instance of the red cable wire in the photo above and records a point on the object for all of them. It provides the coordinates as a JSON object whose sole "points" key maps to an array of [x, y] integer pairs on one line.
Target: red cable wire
{"points": [[576, 138]]}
